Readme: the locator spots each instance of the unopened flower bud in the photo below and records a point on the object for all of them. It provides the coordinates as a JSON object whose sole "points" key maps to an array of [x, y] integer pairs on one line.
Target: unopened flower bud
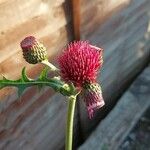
{"points": [[93, 97], [33, 51]]}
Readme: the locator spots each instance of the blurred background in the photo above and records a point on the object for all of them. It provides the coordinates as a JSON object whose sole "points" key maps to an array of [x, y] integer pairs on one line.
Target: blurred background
{"points": [[36, 121]]}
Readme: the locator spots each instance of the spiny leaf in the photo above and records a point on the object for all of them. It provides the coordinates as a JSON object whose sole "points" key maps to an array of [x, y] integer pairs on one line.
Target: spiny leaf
{"points": [[25, 82], [24, 75], [43, 74], [1, 85]]}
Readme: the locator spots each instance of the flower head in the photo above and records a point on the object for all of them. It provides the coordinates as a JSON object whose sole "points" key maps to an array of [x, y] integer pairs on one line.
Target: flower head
{"points": [[93, 98], [33, 50], [79, 63]]}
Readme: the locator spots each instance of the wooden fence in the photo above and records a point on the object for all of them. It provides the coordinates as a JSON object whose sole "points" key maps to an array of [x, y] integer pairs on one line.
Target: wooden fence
{"points": [[37, 120]]}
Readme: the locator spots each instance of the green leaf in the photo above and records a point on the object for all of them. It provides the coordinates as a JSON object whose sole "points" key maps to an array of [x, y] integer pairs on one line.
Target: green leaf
{"points": [[25, 82], [43, 76], [44, 73], [1, 85]]}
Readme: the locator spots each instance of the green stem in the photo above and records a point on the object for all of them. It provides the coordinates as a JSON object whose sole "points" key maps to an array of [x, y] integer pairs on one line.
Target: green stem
{"points": [[69, 125]]}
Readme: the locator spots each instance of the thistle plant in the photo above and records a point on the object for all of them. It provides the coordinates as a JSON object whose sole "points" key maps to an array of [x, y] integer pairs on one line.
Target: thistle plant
{"points": [[79, 64]]}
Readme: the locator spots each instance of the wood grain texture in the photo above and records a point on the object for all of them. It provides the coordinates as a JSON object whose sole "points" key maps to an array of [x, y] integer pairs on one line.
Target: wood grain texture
{"points": [[38, 24], [37, 121], [120, 27], [76, 18], [30, 122], [97, 12], [124, 36], [36, 126], [111, 132]]}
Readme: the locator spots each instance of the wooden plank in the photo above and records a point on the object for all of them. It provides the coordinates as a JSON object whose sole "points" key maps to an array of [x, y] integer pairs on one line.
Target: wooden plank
{"points": [[100, 11], [40, 26], [32, 70], [34, 123], [119, 25], [30, 122], [50, 41], [26, 11], [13, 113], [111, 132], [76, 18], [126, 50]]}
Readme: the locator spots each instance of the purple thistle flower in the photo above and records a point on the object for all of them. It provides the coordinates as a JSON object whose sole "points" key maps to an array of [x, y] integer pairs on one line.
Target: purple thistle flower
{"points": [[79, 63]]}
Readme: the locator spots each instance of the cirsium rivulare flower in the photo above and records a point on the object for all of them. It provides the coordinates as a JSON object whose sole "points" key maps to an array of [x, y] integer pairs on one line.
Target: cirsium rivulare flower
{"points": [[33, 51], [93, 97], [79, 63]]}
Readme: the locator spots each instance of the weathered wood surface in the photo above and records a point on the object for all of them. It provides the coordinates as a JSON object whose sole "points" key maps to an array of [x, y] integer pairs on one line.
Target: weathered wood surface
{"points": [[32, 122], [106, 23], [124, 36], [38, 126], [39, 20], [111, 132]]}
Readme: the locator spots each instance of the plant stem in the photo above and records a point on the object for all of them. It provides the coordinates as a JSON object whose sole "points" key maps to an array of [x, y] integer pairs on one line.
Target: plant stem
{"points": [[69, 124], [51, 66]]}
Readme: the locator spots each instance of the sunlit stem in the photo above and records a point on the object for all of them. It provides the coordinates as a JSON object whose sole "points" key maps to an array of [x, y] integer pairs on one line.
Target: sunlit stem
{"points": [[51, 66]]}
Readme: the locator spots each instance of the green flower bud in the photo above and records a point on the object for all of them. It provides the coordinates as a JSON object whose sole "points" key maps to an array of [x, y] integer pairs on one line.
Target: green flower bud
{"points": [[93, 97], [33, 51]]}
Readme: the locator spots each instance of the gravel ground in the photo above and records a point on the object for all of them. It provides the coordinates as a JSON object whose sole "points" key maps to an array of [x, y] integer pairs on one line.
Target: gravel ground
{"points": [[139, 138]]}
